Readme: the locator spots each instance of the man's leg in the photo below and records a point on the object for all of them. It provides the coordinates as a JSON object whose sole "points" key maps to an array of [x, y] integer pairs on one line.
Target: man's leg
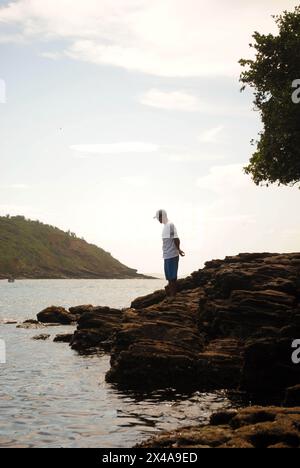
{"points": [[171, 270], [173, 288], [173, 282], [166, 267]]}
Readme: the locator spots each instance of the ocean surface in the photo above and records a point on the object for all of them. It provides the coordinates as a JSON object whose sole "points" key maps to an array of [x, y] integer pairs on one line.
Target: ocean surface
{"points": [[50, 396]]}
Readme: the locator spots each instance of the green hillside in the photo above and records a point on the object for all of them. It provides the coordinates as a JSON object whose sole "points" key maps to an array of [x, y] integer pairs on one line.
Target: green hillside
{"points": [[30, 249]]}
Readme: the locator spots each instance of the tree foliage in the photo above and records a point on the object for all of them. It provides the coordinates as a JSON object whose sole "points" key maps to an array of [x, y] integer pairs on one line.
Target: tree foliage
{"points": [[272, 74]]}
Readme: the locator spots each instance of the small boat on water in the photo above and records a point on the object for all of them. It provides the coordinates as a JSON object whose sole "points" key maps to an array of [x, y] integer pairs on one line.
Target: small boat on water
{"points": [[11, 280]]}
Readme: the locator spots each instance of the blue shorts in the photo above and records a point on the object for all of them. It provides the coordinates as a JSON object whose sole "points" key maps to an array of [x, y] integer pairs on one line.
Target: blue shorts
{"points": [[171, 268]]}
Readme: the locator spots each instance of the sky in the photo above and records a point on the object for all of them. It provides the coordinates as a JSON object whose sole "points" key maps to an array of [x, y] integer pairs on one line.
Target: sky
{"points": [[111, 110]]}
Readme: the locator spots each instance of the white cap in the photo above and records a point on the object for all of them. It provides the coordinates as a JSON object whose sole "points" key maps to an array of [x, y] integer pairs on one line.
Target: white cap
{"points": [[161, 215]]}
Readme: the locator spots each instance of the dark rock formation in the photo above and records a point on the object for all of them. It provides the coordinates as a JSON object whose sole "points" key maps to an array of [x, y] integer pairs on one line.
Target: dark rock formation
{"points": [[231, 325], [57, 315], [96, 328], [292, 396], [31, 325], [254, 427], [63, 338], [78, 311], [42, 337]]}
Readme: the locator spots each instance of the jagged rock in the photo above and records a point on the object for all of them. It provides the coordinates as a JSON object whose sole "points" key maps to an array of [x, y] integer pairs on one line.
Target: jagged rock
{"points": [[42, 337], [232, 323], [149, 300], [96, 328], [158, 346], [78, 311], [57, 315], [254, 427], [64, 338], [28, 325]]}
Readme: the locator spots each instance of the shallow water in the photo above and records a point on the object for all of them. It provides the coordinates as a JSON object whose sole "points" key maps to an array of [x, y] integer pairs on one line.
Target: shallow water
{"points": [[52, 397]]}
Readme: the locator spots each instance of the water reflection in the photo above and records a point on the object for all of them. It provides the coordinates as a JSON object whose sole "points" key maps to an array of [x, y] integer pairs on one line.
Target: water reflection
{"points": [[50, 396]]}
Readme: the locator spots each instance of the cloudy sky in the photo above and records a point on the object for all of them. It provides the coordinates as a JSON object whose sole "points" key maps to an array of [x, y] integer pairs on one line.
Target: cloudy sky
{"points": [[112, 109]]}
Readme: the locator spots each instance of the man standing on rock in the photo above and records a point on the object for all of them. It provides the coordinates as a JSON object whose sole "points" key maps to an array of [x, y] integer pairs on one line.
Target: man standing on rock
{"points": [[171, 251]]}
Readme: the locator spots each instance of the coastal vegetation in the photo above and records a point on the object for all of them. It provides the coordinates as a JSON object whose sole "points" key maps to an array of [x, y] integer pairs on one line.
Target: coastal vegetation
{"points": [[31, 249]]}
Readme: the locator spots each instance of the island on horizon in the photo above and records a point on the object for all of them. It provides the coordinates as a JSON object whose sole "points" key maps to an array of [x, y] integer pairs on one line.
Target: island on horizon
{"points": [[34, 250]]}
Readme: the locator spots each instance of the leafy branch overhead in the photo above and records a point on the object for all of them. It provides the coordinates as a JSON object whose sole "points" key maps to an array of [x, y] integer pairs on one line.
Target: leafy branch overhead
{"points": [[272, 74]]}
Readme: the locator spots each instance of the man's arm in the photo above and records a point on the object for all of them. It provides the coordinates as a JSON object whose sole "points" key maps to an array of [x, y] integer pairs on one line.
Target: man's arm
{"points": [[177, 244]]}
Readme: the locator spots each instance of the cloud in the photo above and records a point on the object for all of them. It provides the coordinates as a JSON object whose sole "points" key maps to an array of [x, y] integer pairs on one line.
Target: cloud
{"points": [[12, 38], [159, 37], [135, 181], [210, 135], [21, 210], [225, 179], [194, 157], [239, 216], [51, 55], [237, 219], [170, 152], [186, 102], [172, 100], [116, 148], [16, 186]]}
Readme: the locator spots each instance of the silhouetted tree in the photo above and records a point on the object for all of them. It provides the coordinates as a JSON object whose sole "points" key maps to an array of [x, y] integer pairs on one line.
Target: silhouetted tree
{"points": [[275, 75]]}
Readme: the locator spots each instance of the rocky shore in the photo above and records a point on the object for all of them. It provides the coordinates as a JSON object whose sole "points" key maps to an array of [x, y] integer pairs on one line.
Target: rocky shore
{"points": [[254, 427], [231, 326]]}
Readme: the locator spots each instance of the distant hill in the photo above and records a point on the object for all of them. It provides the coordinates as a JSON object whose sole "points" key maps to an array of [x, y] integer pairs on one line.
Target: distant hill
{"points": [[31, 249]]}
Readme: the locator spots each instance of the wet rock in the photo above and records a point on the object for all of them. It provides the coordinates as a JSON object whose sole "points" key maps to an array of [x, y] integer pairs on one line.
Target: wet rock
{"points": [[31, 325], [57, 315], [42, 337], [254, 427], [63, 338], [222, 417], [78, 311], [96, 328]]}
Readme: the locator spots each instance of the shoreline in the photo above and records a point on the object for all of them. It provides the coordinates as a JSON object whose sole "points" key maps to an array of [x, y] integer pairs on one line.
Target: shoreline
{"points": [[22, 278], [230, 327]]}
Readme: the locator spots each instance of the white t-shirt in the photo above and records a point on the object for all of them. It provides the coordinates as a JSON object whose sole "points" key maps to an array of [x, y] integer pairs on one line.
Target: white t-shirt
{"points": [[168, 235]]}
